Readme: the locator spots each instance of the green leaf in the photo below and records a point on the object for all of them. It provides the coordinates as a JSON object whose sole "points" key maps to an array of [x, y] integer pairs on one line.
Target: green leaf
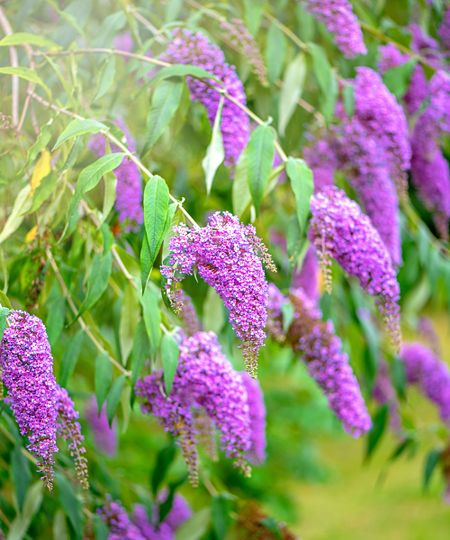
{"points": [[3, 315], [77, 127], [56, 309], [70, 358], [183, 70], [397, 78], [41, 142], [15, 217], [430, 463], [213, 315], [71, 504], [240, 190], [156, 204], [254, 10], [379, 423], [326, 78], [27, 74], [97, 282], [43, 191], [287, 310], [275, 52], [60, 528], [169, 358], [21, 523], [100, 528], [348, 94], [215, 152], [220, 515], [302, 185], [103, 378], [4, 300], [165, 101], [113, 399], [109, 198], [139, 352], [129, 318], [152, 318], [25, 38], [259, 159], [195, 527], [21, 476], [146, 262], [291, 90], [164, 460], [106, 77]]}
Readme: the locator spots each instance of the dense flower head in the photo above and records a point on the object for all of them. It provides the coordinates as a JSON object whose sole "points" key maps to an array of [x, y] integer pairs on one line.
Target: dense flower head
{"points": [[383, 119], [180, 511], [327, 363], [194, 48], [228, 256], [429, 373], [70, 430], [149, 531], [204, 379], [368, 173], [105, 436], [444, 29], [338, 17], [27, 372], [119, 524], [340, 231], [129, 182], [390, 57], [257, 410], [124, 42], [307, 277]]}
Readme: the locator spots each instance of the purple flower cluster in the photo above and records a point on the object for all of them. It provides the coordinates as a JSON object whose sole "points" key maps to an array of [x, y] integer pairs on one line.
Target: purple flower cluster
{"points": [[338, 17], [228, 256], [257, 410], [340, 231], [307, 278], [70, 430], [204, 379], [430, 374], [129, 182], [274, 313], [119, 524], [187, 312], [195, 48], [327, 363], [160, 531], [105, 436], [27, 371]]}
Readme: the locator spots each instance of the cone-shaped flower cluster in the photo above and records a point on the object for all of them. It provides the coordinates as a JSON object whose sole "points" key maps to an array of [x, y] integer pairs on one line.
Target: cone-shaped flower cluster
{"points": [[129, 182], [119, 524], [340, 231], [430, 374], [328, 364], [27, 372], [195, 48], [338, 17], [204, 379], [257, 411], [229, 257], [105, 436]]}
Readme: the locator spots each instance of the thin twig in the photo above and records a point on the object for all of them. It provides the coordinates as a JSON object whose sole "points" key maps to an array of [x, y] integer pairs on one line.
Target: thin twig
{"points": [[145, 22], [80, 319], [14, 59]]}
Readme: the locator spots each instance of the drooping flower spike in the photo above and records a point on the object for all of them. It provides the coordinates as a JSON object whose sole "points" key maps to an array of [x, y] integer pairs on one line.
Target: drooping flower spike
{"points": [[340, 231], [257, 411], [119, 524], [204, 379], [195, 48], [338, 17], [229, 257]]}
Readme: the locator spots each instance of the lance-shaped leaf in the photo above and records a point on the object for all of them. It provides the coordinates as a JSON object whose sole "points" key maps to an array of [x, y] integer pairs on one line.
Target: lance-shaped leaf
{"points": [[259, 161], [79, 127], [326, 78], [97, 282], [113, 399], [301, 178], [275, 52], [25, 73], [21, 206], [169, 356], [25, 38], [152, 317], [215, 152], [102, 379], [291, 91], [71, 504], [32, 503]]}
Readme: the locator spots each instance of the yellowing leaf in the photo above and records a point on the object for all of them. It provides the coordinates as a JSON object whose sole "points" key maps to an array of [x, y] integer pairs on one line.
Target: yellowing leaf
{"points": [[41, 169], [31, 235]]}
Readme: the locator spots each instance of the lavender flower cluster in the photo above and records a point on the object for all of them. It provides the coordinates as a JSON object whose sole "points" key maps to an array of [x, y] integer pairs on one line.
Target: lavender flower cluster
{"points": [[204, 379], [327, 364], [340, 231], [143, 526], [228, 256], [195, 48], [338, 17], [129, 182], [257, 411], [42, 409]]}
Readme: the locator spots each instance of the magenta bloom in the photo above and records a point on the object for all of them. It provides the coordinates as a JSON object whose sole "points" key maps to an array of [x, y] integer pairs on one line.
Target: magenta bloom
{"points": [[383, 119], [161, 531], [228, 256], [118, 522], [179, 513], [105, 436], [124, 42], [257, 409], [430, 374], [338, 17], [307, 278], [195, 48], [328, 364], [27, 372], [70, 430], [204, 380], [391, 57], [340, 231], [129, 182]]}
